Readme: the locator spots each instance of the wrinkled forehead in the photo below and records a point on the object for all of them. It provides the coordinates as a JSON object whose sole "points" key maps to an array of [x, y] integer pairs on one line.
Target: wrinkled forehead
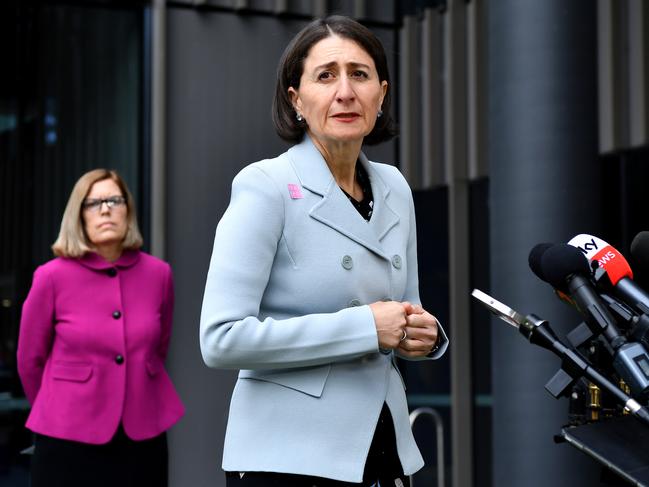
{"points": [[337, 50]]}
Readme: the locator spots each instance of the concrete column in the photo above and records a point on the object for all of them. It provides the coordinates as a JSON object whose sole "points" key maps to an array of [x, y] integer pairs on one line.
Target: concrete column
{"points": [[544, 187]]}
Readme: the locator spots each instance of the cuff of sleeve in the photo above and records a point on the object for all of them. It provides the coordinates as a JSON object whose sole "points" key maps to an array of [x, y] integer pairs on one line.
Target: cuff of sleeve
{"points": [[435, 347], [440, 345]]}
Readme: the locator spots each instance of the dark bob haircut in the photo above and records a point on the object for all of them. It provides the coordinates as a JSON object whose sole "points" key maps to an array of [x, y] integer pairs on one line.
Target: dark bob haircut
{"points": [[291, 66]]}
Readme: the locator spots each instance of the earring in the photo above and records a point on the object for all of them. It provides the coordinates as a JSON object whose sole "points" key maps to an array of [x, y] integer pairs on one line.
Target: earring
{"points": [[379, 114], [299, 117]]}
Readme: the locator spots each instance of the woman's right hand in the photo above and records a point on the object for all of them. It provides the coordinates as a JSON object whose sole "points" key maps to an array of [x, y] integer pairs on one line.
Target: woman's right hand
{"points": [[390, 321]]}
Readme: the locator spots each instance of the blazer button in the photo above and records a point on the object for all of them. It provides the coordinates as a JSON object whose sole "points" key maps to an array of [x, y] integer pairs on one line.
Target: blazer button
{"points": [[396, 261], [112, 272], [347, 262], [119, 360], [117, 315], [355, 302]]}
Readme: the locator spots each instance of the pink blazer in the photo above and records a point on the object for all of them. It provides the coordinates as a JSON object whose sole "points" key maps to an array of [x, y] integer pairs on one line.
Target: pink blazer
{"points": [[93, 340]]}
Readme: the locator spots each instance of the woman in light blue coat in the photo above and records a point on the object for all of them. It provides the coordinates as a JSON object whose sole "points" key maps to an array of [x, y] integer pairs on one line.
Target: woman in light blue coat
{"points": [[312, 290]]}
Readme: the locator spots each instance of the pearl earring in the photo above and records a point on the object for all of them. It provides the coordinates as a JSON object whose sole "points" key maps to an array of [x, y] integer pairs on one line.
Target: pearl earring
{"points": [[379, 114], [299, 117]]}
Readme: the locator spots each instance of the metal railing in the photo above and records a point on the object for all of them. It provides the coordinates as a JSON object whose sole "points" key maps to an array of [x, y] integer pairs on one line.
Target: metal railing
{"points": [[439, 434]]}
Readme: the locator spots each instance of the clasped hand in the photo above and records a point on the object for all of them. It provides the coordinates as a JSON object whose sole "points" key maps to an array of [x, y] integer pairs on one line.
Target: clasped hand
{"points": [[393, 318]]}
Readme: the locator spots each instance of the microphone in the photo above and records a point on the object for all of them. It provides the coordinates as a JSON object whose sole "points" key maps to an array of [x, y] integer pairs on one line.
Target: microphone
{"points": [[566, 268], [616, 267], [640, 250], [534, 259], [614, 264]]}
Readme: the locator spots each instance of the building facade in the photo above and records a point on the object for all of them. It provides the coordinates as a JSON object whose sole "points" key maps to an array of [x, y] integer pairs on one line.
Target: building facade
{"points": [[520, 122]]}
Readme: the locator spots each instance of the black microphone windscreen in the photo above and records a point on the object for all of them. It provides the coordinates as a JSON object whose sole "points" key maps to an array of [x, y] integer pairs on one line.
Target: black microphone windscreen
{"points": [[534, 259], [640, 250], [560, 261]]}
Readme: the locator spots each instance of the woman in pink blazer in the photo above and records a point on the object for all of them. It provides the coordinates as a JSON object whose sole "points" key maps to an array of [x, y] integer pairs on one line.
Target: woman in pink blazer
{"points": [[94, 335]]}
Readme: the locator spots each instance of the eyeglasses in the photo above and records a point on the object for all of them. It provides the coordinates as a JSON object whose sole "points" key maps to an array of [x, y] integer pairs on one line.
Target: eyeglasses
{"points": [[112, 202]]}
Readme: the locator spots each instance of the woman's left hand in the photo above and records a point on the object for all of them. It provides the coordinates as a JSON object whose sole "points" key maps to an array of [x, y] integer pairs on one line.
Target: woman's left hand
{"points": [[421, 332]]}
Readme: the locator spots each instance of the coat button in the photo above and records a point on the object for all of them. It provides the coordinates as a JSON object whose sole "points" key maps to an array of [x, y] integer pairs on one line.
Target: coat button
{"points": [[355, 302], [112, 272], [396, 261], [347, 262], [119, 360], [117, 315]]}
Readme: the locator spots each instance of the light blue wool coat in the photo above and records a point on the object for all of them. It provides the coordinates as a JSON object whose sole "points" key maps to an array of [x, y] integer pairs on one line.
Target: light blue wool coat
{"points": [[293, 269]]}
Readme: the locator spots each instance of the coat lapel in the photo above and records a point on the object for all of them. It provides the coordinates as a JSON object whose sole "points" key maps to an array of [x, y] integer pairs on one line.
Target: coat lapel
{"points": [[334, 209]]}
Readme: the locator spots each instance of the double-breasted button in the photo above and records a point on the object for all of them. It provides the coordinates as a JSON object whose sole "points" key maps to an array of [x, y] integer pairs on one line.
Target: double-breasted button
{"points": [[117, 315], [112, 272], [396, 261], [119, 360], [347, 262], [355, 302]]}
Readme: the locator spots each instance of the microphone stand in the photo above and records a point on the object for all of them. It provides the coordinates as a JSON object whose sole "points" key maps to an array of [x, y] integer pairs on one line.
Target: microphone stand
{"points": [[573, 366], [615, 443]]}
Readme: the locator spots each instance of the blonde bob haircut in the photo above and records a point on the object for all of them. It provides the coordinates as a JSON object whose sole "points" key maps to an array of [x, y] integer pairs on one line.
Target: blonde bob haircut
{"points": [[73, 240]]}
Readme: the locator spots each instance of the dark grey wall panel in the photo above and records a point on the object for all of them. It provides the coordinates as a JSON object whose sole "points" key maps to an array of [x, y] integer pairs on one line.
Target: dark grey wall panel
{"points": [[381, 10], [221, 69], [377, 11], [221, 76], [544, 186]]}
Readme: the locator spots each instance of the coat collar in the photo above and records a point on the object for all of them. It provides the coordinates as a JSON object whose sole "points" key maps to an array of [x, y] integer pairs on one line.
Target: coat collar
{"points": [[95, 261], [334, 208]]}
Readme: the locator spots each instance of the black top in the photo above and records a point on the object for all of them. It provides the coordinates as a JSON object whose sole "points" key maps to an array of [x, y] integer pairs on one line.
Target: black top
{"points": [[366, 205]]}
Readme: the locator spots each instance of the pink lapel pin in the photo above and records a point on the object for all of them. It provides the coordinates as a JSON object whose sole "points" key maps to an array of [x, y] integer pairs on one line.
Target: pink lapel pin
{"points": [[295, 192]]}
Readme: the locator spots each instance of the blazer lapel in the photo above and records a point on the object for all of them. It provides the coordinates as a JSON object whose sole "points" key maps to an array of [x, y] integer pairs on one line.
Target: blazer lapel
{"points": [[334, 209]]}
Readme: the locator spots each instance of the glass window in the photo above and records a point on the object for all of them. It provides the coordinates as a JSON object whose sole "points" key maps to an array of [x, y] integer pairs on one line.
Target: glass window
{"points": [[71, 100]]}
